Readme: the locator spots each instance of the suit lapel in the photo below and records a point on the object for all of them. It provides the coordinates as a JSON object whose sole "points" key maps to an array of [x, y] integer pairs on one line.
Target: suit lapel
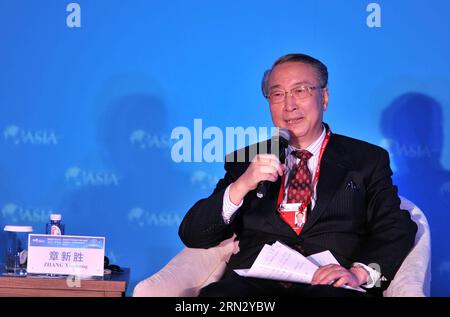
{"points": [[334, 167]]}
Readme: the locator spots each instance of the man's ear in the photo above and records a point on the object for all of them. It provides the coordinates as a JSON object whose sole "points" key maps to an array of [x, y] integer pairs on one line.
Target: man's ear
{"points": [[325, 99]]}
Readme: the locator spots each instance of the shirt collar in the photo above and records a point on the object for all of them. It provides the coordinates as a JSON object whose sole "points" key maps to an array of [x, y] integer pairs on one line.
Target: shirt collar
{"points": [[313, 148]]}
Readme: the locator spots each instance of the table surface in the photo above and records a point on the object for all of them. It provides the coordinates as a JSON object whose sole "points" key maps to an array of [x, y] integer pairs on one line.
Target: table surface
{"points": [[111, 285]]}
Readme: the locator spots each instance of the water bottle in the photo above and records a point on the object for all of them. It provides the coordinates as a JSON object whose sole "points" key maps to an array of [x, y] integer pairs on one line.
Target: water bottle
{"points": [[55, 227]]}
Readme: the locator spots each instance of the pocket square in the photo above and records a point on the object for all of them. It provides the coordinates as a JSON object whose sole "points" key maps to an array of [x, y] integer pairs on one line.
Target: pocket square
{"points": [[351, 185]]}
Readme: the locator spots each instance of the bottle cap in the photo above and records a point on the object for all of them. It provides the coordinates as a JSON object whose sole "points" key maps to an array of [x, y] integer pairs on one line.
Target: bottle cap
{"points": [[18, 228], [55, 217]]}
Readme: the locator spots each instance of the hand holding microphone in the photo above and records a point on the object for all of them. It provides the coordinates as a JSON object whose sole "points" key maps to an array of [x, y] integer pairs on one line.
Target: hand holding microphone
{"points": [[279, 143], [264, 169]]}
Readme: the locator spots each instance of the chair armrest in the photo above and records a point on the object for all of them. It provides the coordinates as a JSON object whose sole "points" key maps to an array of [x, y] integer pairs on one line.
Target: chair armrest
{"points": [[187, 272], [413, 279]]}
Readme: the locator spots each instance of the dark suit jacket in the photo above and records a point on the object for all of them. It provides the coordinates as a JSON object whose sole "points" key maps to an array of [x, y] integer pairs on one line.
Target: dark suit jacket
{"points": [[362, 223]]}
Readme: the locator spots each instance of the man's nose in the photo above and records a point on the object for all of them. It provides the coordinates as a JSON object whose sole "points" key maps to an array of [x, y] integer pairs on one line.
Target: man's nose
{"points": [[289, 102]]}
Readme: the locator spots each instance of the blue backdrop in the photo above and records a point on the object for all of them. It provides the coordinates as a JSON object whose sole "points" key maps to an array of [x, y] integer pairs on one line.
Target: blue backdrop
{"points": [[86, 113]]}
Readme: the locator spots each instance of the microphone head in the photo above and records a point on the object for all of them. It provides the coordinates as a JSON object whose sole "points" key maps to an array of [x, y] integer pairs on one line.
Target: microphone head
{"points": [[283, 135], [280, 141]]}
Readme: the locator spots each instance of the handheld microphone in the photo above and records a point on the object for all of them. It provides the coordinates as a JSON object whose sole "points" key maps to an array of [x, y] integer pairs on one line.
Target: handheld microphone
{"points": [[279, 143]]}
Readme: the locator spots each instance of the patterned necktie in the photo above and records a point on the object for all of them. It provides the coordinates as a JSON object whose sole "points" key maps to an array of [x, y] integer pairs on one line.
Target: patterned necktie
{"points": [[300, 185], [300, 189]]}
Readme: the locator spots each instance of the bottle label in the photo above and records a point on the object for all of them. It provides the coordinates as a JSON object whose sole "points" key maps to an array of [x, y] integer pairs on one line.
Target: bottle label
{"points": [[55, 231]]}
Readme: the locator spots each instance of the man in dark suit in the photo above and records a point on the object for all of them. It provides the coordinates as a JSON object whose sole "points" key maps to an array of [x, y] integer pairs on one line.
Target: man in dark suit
{"points": [[343, 186]]}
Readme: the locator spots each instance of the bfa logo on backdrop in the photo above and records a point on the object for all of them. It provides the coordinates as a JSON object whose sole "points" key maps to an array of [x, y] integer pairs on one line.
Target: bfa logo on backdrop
{"points": [[203, 180], [18, 214], [76, 176], [143, 218], [147, 140], [17, 135], [406, 150]]}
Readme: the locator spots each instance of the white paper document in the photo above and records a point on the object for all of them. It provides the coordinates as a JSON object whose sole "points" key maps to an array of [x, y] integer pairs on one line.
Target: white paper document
{"points": [[281, 263]]}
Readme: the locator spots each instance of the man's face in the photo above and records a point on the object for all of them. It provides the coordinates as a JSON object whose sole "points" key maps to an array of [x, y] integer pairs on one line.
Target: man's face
{"points": [[302, 117]]}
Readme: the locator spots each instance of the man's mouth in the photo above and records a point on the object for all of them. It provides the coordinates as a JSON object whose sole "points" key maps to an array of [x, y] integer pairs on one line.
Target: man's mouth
{"points": [[294, 121]]}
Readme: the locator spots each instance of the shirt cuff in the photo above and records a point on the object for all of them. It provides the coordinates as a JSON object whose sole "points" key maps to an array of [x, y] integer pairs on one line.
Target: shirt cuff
{"points": [[373, 277], [229, 208]]}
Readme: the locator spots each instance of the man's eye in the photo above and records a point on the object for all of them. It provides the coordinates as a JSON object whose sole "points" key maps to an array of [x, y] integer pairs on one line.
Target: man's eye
{"points": [[299, 90], [277, 94]]}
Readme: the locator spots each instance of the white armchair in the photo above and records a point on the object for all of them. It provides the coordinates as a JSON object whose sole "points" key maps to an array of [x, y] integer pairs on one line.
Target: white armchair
{"points": [[192, 269]]}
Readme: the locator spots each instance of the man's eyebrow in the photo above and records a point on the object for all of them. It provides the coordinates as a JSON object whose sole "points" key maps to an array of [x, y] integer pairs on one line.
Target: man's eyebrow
{"points": [[274, 86], [303, 82], [295, 84]]}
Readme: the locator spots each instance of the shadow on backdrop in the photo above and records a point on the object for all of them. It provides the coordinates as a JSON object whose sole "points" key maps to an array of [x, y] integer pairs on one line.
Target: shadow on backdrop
{"points": [[140, 208], [413, 127]]}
